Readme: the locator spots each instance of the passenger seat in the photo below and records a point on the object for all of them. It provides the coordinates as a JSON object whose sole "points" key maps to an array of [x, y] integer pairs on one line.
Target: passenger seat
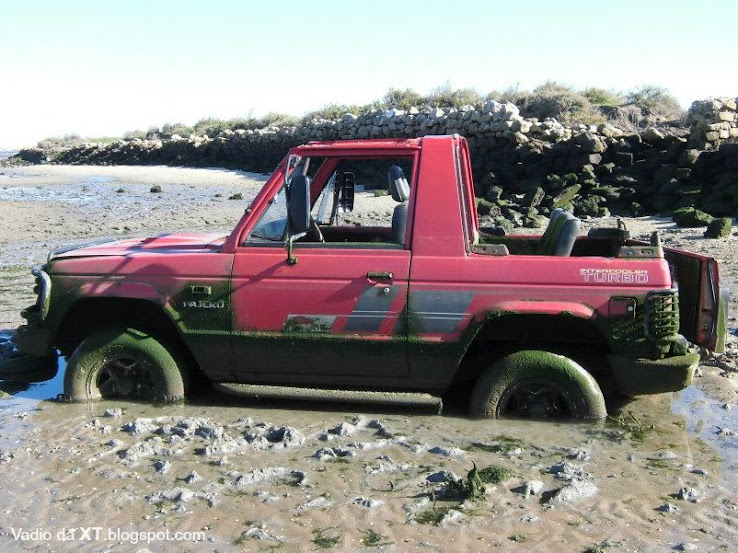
{"points": [[400, 190]]}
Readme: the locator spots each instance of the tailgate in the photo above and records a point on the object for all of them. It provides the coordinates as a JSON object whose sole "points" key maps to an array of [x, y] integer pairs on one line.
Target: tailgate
{"points": [[702, 304]]}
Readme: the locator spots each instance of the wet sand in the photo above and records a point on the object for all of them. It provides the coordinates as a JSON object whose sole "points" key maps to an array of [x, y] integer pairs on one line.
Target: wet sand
{"points": [[262, 476]]}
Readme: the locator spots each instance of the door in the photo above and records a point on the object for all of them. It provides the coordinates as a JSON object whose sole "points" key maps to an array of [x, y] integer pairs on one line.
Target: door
{"points": [[333, 317], [702, 303]]}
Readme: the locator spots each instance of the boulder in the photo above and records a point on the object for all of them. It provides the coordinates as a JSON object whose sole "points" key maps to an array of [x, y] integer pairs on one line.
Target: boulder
{"points": [[651, 135], [33, 155], [719, 228], [565, 198], [690, 217]]}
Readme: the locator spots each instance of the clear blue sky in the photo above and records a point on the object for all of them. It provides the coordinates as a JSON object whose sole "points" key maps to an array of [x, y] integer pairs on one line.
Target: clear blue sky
{"points": [[101, 68]]}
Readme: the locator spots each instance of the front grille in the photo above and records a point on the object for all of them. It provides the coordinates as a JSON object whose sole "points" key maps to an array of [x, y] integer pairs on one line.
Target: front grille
{"points": [[661, 316]]}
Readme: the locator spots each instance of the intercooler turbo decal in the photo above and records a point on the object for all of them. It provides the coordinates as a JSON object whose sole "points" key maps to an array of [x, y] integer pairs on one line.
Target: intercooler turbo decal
{"points": [[614, 276]]}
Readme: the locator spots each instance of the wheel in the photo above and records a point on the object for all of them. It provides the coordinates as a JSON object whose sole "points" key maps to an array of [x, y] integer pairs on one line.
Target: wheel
{"points": [[537, 384], [123, 363]]}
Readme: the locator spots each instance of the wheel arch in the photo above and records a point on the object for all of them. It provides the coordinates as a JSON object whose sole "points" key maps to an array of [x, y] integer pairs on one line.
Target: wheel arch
{"points": [[90, 314], [503, 332]]}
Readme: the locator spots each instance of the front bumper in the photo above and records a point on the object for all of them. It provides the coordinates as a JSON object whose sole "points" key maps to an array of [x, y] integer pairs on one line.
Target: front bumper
{"points": [[635, 376]]}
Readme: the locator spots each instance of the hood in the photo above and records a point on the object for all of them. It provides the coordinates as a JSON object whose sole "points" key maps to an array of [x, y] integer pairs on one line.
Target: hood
{"points": [[164, 243]]}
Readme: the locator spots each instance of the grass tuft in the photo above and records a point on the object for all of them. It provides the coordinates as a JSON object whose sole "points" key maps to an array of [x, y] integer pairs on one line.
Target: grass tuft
{"points": [[325, 541]]}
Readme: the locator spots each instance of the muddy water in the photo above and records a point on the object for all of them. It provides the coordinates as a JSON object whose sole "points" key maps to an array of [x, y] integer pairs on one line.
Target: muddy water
{"points": [[345, 472]]}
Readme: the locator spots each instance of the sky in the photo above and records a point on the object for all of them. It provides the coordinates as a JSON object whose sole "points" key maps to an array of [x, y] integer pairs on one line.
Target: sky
{"points": [[101, 68]]}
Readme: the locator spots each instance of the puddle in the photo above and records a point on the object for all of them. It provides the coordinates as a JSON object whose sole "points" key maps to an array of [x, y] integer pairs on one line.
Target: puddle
{"points": [[704, 418]]}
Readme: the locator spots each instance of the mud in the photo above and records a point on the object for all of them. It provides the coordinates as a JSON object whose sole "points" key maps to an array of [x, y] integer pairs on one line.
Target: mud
{"points": [[246, 475]]}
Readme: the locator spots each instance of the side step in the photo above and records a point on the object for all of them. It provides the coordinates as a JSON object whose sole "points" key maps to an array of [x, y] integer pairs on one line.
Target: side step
{"points": [[257, 391]]}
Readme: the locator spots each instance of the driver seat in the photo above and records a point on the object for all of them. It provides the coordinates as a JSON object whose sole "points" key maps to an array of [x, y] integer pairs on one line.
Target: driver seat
{"points": [[400, 190]]}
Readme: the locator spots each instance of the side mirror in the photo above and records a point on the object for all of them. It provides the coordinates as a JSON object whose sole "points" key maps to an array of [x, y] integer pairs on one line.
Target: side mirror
{"points": [[298, 204], [344, 193]]}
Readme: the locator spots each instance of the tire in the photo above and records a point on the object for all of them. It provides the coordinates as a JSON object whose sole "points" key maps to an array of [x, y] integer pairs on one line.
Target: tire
{"points": [[123, 363], [537, 384]]}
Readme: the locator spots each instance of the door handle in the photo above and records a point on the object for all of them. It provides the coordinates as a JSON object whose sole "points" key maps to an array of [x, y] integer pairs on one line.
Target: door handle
{"points": [[380, 276]]}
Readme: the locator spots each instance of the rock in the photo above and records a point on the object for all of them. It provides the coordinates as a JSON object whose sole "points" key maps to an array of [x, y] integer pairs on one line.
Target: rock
{"points": [[581, 455], [531, 487], [275, 437], [441, 476], [719, 228], [261, 534], [590, 143], [667, 508], [575, 490], [564, 199], [651, 135], [321, 502], [328, 453], [156, 189], [588, 206], [192, 478], [5, 457], [368, 502], [236, 196], [686, 547], [568, 471], [688, 494], [690, 217], [33, 155], [115, 413], [140, 426], [689, 157], [447, 451], [343, 429], [162, 467], [269, 474], [533, 197], [176, 495]]}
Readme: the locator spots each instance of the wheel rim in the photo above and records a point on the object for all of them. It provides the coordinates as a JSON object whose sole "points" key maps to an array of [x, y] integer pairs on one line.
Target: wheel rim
{"points": [[535, 399], [126, 376]]}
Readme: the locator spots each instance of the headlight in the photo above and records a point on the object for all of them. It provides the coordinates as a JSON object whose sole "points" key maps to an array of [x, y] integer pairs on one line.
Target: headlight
{"points": [[43, 288]]}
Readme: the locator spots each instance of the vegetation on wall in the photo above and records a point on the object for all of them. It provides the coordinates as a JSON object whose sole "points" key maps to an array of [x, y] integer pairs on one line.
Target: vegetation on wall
{"points": [[630, 110]]}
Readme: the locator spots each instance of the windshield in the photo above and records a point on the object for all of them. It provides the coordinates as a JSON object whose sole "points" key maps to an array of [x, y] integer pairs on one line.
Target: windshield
{"points": [[273, 223]]}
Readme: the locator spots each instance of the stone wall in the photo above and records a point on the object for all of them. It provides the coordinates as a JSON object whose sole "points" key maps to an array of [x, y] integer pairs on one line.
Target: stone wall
{"points": [[522, 167]]}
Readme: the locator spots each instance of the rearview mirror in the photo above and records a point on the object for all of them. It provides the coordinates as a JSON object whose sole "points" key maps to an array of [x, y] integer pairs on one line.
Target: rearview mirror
{"points": [[344, 193]]}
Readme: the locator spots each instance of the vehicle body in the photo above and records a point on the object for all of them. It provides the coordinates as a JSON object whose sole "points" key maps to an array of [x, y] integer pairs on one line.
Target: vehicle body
{"points": [[428, 302]]}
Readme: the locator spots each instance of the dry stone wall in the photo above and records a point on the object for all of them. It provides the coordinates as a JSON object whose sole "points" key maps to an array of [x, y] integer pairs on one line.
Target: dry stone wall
{"points": [[522, 167]]}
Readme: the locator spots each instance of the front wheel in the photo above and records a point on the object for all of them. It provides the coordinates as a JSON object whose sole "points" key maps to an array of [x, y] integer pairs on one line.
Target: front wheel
{"points": [[537, 384], [123, 363]]}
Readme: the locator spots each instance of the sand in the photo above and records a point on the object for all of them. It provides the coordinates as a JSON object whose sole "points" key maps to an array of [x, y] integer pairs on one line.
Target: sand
{"points": [[244, 475]]}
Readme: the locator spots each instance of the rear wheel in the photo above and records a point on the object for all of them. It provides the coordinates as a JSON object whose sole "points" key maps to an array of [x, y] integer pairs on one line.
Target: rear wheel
{"points": [[123, 363], [537, 384]]}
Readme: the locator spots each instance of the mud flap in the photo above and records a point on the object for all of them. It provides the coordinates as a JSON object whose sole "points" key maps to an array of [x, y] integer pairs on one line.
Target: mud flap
{"points": [[28, 368]]}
